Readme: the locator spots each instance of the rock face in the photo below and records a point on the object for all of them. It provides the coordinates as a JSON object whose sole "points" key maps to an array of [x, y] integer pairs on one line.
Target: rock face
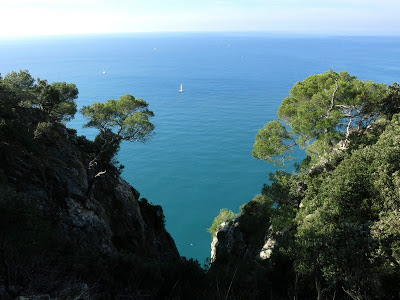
{"points": [[267, 249], [102, 212], [231, 241], [228, 240]]}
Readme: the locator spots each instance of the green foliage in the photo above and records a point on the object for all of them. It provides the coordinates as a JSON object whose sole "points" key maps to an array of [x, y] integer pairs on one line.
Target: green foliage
{"points": [[391, 102], [386, 231], [323, 110], [8, 99], [336, 223], [128, 116], [126, 119], [278, 189], [21, 84], [225, 216], [273, 140], [255, 219], [110, 139], [57, 100], [42, 128], [285, 192], [153, 213], [345, 232], [8, 102]]}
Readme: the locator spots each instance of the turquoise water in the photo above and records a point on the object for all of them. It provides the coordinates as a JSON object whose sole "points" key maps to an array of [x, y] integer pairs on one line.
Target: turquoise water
{"points": [[200, 160]]}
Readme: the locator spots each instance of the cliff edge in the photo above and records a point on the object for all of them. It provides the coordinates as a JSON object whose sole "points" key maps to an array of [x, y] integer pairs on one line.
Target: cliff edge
{"points": [[68, 215]]}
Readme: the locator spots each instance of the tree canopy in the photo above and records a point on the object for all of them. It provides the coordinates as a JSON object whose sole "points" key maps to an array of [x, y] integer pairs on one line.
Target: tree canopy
{"points": [[323, 110], [56, 99], [125, 119], [346, 236]]}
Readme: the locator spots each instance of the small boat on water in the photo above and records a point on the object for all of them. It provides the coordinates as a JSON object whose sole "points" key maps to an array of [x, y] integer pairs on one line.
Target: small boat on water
{"points": [[181, 89]]}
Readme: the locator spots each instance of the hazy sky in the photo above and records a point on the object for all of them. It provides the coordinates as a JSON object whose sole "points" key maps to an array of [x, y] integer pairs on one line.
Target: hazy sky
{"points": [[44, 17]]}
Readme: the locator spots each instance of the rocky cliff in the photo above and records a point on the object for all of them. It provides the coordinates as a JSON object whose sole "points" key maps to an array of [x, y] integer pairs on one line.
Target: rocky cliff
{"points": [[45, 167], [247, 235], [106, 214], [231, 241]]}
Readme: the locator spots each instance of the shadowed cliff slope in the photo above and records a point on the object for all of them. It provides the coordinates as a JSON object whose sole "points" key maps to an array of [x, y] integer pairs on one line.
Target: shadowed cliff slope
{"points": [[69, 230]]}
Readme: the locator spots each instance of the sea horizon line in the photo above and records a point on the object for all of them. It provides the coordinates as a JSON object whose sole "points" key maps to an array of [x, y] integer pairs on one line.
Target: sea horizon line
{"points": [[244, 33]]}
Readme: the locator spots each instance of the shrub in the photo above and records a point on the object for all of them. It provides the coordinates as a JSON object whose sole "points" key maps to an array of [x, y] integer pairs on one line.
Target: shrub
{"points": [[225, 216]]}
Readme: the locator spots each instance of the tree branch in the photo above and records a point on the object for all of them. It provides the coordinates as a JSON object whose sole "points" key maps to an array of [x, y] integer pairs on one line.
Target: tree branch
{"points": [[103, 149], [332, 100], [100, 173], [348, 129]]}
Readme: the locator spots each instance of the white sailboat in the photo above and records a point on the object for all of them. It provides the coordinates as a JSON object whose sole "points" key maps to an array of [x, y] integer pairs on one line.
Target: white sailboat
{"points": [[181, 89]]}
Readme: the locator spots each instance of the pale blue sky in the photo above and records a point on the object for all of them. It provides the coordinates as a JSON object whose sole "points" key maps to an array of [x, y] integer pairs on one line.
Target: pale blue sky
{"points": [[338, 17]]}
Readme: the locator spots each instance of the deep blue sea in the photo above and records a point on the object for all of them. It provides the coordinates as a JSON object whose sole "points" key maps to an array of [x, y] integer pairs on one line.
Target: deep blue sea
{"points": [[200, 160]]}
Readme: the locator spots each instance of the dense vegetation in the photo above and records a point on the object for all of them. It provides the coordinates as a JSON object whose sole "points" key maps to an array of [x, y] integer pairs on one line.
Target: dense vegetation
{"points": [[336, 220]]}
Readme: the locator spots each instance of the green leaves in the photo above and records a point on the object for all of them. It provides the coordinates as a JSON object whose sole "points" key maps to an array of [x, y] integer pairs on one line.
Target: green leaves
{"points": [[56, 99], [348, 226], [21, 81], [225, 216], [323, 110], [391, 102], [271, 141], [127, 117], [124, 119]]}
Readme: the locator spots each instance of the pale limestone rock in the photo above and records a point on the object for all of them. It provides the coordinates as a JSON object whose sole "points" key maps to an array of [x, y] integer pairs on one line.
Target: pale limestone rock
{"points": [[214, 248], [267, 249]]}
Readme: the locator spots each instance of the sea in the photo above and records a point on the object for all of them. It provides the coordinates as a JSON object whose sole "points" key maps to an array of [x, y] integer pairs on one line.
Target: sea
{"points": [[199, 160]]}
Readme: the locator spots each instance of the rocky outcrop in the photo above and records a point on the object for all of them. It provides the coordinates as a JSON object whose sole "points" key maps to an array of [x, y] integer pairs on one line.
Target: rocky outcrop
{"points": [[231, 241], [101, 212], [67, 229], [267, 249]]}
